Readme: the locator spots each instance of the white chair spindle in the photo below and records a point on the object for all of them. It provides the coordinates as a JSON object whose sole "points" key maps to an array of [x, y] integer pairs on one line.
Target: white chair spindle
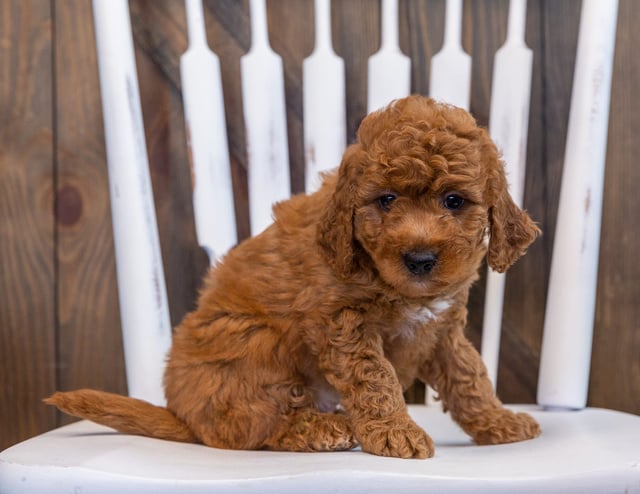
{"points": [[265, 122], [206, 128], [146, 326], [450, 79], [568, 328], [323, 96], [508, 126], [389, 70]]}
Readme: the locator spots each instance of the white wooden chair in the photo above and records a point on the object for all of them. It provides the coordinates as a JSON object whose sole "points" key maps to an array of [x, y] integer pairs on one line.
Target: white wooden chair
{"points": [[580, 450]]}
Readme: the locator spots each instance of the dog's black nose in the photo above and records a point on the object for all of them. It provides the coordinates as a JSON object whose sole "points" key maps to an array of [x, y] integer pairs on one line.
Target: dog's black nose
{"points": [[420, 263]]}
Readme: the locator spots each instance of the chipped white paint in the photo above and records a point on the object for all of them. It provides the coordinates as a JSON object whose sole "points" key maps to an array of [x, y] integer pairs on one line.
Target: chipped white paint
{"points": [[146, 327], [207, 139], [265, 122], [389, 70], [508, 126], [590, 452], [568, 328], [450, 79], [324, 108]]}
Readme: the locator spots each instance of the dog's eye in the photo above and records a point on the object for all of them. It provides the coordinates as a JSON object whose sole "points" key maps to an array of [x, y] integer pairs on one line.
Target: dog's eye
{"points": [[386, 200], [453, 201]]}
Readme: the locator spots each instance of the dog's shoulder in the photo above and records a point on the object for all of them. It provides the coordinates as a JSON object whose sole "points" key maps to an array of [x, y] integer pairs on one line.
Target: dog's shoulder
{"points": [[272, 271], [304, 210]]}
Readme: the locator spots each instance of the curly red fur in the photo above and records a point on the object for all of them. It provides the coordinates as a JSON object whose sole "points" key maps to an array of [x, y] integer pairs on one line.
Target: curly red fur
{"points": [[329, 307]]}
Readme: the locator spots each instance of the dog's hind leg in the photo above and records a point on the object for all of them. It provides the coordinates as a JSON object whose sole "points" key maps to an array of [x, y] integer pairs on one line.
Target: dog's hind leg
{"points": [[311, 430]]}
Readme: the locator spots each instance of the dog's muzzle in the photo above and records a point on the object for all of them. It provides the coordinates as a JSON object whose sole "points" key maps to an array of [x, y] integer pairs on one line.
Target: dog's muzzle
{"points": [[420, 263]]}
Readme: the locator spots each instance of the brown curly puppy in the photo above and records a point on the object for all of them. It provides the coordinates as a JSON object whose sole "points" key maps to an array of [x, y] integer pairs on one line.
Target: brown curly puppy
{"points": [[353, 293]]}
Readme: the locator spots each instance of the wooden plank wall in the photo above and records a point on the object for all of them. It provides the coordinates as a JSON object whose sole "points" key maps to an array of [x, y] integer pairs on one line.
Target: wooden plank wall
{"points": [[59, 321]]}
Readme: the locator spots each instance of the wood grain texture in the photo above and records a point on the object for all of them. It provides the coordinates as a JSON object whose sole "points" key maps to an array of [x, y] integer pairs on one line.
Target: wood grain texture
{"points": [[421, 36], [88, 334], [552, 31], [281, 31], [356, 36], [27, 269], [50, 116], [615, 364], [526, 284], [228, 32]]}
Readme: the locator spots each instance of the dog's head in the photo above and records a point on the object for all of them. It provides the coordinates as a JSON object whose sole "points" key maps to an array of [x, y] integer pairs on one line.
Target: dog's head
{"points": [[416, 198]]}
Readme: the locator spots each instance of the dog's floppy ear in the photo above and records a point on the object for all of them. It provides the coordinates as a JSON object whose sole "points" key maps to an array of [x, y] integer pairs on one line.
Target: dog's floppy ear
{"points": [[335, 232], [511, 230]]}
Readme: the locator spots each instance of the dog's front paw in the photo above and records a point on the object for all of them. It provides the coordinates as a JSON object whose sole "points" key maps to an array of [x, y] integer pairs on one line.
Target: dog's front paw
{"points": [[398, 437], [506, 426]]}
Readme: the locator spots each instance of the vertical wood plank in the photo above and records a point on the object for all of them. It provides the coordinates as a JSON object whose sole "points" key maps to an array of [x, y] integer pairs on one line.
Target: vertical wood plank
{"points": [[281, 32], [421, 37], [552, 31], [520, 341], [559, 30], [27, 270], [229, 37], [526, 282], [356, 36], [615, 363], [159, 31], [89, 336], [484, 31]]}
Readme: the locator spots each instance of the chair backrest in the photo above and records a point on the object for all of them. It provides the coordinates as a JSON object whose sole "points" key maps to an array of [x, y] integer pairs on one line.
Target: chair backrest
{"points": [[145, 319]]}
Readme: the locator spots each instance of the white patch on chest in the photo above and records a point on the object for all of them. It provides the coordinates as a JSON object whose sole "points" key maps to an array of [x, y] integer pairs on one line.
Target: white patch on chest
{"points": [[419, 315], [416, 316], [440, 305]]}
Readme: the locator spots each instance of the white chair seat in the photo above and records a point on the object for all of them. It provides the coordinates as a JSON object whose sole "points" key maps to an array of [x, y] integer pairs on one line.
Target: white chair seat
{"points": [[592, 450]]}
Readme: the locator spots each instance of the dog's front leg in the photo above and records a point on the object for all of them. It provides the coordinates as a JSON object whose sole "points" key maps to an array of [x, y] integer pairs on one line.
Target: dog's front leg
{"points": [[459, 376], [354, 363]]}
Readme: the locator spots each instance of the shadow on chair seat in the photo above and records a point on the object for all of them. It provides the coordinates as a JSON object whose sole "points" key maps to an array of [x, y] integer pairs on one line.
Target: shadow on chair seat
{"points": [[579, 451]]}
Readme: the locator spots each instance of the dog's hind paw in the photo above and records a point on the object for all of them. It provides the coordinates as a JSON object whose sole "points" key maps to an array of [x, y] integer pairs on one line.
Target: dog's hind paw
{"points": [[310, 430]]}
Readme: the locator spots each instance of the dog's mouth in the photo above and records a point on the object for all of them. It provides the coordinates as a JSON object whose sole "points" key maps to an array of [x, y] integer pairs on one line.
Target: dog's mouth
{"points": [[414, 273], [431, 272], [422, 270], [424, 273]]}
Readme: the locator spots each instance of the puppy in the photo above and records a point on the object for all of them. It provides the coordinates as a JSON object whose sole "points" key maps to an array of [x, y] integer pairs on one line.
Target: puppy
{"points": [[306, 335]]}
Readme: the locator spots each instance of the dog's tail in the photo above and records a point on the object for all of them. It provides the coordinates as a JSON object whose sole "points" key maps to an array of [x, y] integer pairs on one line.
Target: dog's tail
{"points": [[124, 414]]}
